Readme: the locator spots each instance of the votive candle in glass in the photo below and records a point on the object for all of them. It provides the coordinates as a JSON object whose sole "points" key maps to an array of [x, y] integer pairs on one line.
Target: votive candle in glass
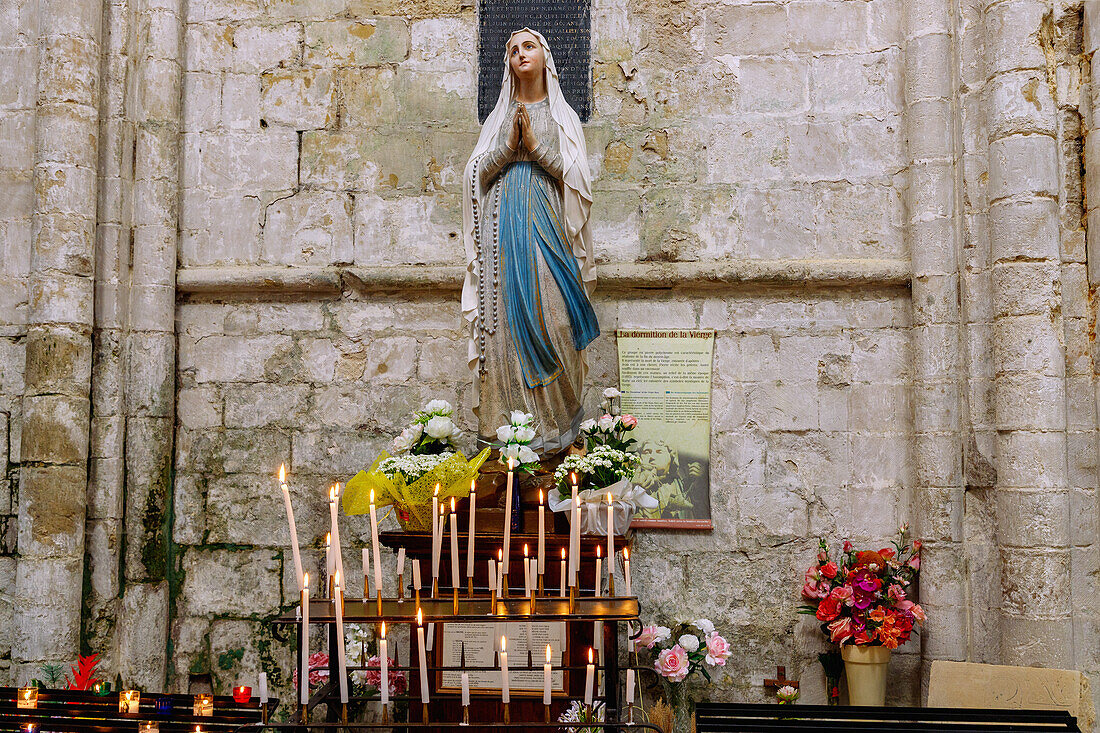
{"points": [[204, 705], [27, 698], [164, 705], [149, 726], [128, 701], [242, 694]]}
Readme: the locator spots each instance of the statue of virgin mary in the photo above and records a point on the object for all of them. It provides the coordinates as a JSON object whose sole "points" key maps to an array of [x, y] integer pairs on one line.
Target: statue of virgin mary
{"points": [[529, 263]]}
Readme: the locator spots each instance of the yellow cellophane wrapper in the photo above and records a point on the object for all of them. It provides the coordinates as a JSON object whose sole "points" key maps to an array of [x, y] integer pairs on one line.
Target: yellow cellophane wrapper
{"points": [[412, 500]]}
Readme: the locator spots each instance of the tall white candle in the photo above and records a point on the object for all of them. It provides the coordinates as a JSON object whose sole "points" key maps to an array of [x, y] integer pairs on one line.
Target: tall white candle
{"points": [[534, 575], [599, 573], [384, 660], [374, 546], [341, 650], [423, 657], [561, 592], [470, 541], [455, 580], [492, 574], [293, 527], [500, 572], [465, 689], [626, 571], [263, 688], [337, 549], [630, 687], [526, 573], [435, 531], [504, 692], [610, 537], [508, 518], [574, 531], [400, 561], [542, 533], [416, 574], [546, 678], [303, 673], [330, 566], [589, 679]]}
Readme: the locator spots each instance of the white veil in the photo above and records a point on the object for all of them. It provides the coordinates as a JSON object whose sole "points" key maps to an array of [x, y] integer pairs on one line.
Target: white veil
{"points": [[576, 197]]}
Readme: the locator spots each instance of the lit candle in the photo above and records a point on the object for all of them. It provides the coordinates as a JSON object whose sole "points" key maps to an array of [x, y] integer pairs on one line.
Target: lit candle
{"points": [[610, 538], [384, 660], [242, 694], [470, 542], [293, 527], [303, 674], [27, 699], [589, 678], [599, 572], [526, 573], [546, 678], [435, 533], [263, 688], [128, 701], [504, 694], [501, 577], [574, 532], [149, 726], [328, 560], [542, 533], [337, 550], [561, 593], [374, 547], [455, 581], [423, 657], [438, 559], [630, 687], [204, 705], [508, 518], [341, 650], [626, 570]]}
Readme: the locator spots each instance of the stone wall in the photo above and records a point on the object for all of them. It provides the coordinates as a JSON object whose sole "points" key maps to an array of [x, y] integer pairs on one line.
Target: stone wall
{"points": [[877, 204]]}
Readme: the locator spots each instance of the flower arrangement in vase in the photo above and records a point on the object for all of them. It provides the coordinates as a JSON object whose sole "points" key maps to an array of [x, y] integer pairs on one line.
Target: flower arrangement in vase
{"points": [[863, 602], [425, 456], [606, 467], [679, 653], [515, 442]]}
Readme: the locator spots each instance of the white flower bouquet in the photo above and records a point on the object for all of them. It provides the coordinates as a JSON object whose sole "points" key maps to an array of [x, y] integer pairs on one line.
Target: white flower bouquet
{"points": [[515, 442], [425, 457]]}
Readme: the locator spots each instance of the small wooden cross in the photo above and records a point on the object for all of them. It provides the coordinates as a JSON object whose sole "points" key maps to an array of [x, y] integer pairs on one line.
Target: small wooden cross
{"points": [[780, 680]]}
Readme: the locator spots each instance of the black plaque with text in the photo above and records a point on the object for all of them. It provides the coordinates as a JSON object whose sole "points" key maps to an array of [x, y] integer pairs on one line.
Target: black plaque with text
{"points": [[566, 25]]}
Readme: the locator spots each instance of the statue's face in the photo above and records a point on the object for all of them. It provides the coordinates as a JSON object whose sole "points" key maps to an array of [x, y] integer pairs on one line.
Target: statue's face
{"points": [[656, 457], [525, 56]]}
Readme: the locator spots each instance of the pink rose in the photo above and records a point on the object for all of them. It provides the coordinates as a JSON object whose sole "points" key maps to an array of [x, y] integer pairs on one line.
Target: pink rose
{"points": [[630, 422], [673, 663], [843, 592], [718, 650], [652, 635], [829, 570]]}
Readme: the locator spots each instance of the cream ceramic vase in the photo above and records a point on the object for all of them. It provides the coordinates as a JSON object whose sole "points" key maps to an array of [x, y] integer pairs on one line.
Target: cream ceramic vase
{"points": [[865, 668]]}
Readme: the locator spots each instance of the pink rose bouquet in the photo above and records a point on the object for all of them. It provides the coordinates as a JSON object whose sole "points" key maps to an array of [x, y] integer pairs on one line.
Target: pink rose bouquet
{"points": [[683, 650], [864, 597]]}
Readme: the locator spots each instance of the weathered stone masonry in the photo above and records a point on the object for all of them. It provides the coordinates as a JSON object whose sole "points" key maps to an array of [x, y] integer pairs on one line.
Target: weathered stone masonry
{"points": [[229, 238]]}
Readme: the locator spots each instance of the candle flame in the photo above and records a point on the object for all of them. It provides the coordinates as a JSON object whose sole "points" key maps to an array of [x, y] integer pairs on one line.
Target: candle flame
{"points": [[437, 489], [572, 478], [282, 473], [548, 654], [383, 629], [305, 580], [609, 497], [590, 655], [500, 555], [597, 552], [563, 553], [540, 497], [328, 538], [332, 494], [336, 579], [525, 549], [419, 617], [511, 463], [372, 496], [452, 505], [504, 643], [473, 486], [626, 554]]}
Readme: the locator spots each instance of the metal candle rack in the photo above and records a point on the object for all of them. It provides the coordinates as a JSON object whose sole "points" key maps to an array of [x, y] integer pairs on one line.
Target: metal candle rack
{"points": [[451, 605]]}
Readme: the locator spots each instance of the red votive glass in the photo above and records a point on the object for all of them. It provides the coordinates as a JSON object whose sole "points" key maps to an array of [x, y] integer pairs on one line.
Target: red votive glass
{"points": [[242, 694]]}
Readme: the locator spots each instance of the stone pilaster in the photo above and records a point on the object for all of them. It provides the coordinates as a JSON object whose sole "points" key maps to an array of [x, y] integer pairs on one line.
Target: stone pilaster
{"points": [[932, 221], [151, 347], [1032, 498], [54, 455]]}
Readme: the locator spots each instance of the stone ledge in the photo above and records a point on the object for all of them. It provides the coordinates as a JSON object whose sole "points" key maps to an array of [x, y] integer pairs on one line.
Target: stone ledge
{"points": [[253, 280]]}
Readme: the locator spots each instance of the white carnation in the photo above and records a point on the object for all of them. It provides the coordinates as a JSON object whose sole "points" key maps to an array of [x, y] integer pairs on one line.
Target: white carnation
{"points": [[611, 393], [506, 433], [440, 427], [690, 642], [588, 425], [439, 407], [524, 434], [662, 633], [703, 625], [401, 443]]}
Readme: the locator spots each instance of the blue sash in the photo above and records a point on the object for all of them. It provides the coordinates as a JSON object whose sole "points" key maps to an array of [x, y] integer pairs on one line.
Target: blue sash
{"points": [[529, 226]]}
